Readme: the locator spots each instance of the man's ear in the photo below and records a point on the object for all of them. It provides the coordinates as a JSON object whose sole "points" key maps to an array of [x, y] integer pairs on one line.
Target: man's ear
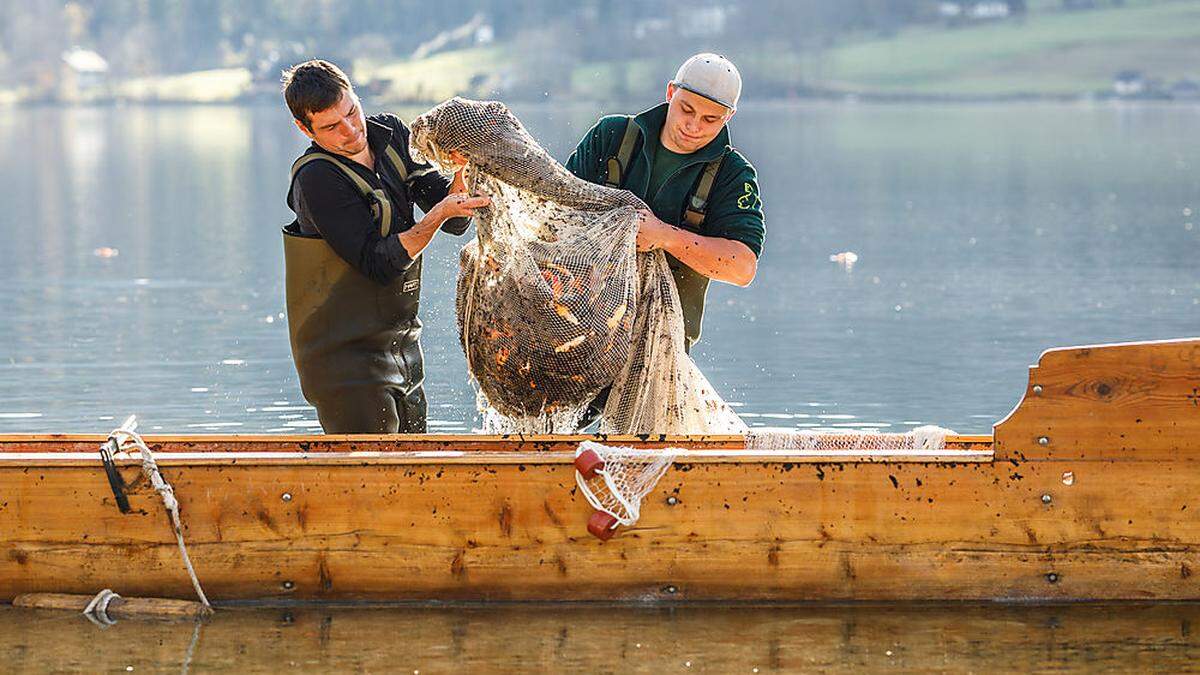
{"points": [[304, 128], [671, 89]]}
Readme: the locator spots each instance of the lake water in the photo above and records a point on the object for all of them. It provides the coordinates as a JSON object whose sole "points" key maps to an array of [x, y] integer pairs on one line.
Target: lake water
{"points": [[571, 638], [984, 234]]}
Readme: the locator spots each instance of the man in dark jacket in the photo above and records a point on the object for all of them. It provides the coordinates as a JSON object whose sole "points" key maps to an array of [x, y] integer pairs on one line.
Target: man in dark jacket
{"points": [[705, 211], [353, 256], [668, 151]]}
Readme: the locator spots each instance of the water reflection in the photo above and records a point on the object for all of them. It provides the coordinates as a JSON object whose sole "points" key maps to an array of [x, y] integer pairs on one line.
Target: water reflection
{"points": [[981, 235], [558, 638]]}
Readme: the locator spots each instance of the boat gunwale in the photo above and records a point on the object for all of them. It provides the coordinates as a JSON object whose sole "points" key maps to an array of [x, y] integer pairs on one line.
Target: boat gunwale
{"points": [[479, 457], [722, 440]]}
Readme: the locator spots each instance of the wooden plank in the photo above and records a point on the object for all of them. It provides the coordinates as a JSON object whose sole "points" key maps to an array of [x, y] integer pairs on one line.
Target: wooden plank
{"points": [[503, 531], [88, 443], [1139, 399], [86, 459], [119, 607]]}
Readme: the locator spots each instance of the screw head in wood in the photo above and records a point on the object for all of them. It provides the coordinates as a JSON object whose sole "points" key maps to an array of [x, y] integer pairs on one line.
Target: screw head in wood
{"points": [[1052, 577], [288, 585], [672, 500], [1037, 389], [287, 497], [1046, 499], [1043, 440]]}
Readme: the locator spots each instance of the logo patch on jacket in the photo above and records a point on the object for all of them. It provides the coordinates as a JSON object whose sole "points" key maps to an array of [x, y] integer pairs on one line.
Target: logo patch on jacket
{"points": [[411, 285], [749, 200]]}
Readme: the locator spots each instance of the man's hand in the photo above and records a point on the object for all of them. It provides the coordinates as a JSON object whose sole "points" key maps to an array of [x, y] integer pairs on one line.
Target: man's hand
{"points": [[652, 232], [459, 205]]}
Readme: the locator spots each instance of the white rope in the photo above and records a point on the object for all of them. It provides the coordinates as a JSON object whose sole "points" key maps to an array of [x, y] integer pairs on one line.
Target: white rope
{"points": [[126, 439], [97, 609]]}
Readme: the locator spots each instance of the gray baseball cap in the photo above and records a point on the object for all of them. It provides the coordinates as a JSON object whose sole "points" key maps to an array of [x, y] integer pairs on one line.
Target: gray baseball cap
{"points": [[712, 76]]}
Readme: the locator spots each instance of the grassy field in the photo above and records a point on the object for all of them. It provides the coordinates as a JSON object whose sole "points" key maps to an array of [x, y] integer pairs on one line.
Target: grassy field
{"points": [[1047, 53], [1050, 52]]}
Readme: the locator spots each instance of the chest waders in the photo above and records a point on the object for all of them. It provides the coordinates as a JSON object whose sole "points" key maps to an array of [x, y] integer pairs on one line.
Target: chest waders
{"points": [[356, 344], [692, 286]]}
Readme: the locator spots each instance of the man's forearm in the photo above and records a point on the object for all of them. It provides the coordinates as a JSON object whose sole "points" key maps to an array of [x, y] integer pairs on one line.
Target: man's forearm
{"points": [[417, 237], [715, 257]]}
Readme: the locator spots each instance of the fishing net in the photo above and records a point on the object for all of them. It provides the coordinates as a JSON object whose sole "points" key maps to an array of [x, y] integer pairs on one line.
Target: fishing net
{"points": [[921, 438], [554, 304], [620, 477], [614, 480]]}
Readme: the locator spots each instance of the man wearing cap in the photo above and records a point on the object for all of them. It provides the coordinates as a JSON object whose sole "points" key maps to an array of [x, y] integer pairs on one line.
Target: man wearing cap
{"points": [[705, 212]]}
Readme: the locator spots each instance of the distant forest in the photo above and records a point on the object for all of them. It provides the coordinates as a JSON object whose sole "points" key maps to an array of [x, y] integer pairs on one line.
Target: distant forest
{"points": [[139, 38]]}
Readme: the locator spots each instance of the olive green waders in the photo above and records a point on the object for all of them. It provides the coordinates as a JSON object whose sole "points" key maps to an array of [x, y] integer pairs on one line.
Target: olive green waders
{"points": [[355, 342]]}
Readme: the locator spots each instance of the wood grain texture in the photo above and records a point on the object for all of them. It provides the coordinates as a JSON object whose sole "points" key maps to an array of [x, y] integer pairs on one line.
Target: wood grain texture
{"points": [[1137, 400], [317, 443], [503, 531], [120, 607], [1104, 509]]}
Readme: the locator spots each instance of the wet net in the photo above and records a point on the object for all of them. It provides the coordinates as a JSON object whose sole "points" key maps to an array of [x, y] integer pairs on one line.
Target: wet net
{"points": [[614, 480], [919, 439], [623, 478], [554, 303]]}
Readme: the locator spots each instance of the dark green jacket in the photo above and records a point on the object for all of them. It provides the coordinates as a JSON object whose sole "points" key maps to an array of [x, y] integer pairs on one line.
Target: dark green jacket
{"points": [[734, 207]]}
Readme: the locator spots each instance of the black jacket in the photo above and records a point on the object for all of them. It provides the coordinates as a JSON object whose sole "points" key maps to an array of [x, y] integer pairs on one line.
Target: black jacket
{"points": [[327, 203]]}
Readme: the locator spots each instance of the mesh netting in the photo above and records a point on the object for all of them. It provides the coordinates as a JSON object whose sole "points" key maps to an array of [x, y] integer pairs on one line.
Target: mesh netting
{"points": [[628, 475], [554, 303], [920, 438]]}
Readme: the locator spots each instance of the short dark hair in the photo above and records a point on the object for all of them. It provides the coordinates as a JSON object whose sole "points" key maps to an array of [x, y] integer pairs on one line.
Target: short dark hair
{"points": [[311, 87]]}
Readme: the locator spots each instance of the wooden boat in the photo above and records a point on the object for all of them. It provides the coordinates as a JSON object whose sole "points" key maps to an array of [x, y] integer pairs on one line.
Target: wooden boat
{"points": [[1089, 489]]}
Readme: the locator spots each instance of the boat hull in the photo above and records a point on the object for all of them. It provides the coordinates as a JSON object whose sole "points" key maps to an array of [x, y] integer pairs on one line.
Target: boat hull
{"points": [[486, 518]]}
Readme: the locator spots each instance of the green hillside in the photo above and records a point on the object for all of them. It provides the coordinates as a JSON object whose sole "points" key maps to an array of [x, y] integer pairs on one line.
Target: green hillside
{"points": [[1047, 53]]}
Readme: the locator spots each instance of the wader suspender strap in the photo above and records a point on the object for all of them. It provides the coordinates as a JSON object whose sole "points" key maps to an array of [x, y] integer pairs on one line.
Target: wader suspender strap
{"points": [[698, 204], [393, 158], [381, 206], [617, 165]]}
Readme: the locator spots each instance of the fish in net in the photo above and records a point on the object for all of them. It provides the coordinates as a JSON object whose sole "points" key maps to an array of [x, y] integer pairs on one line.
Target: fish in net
{"points": [[554, 303]]}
